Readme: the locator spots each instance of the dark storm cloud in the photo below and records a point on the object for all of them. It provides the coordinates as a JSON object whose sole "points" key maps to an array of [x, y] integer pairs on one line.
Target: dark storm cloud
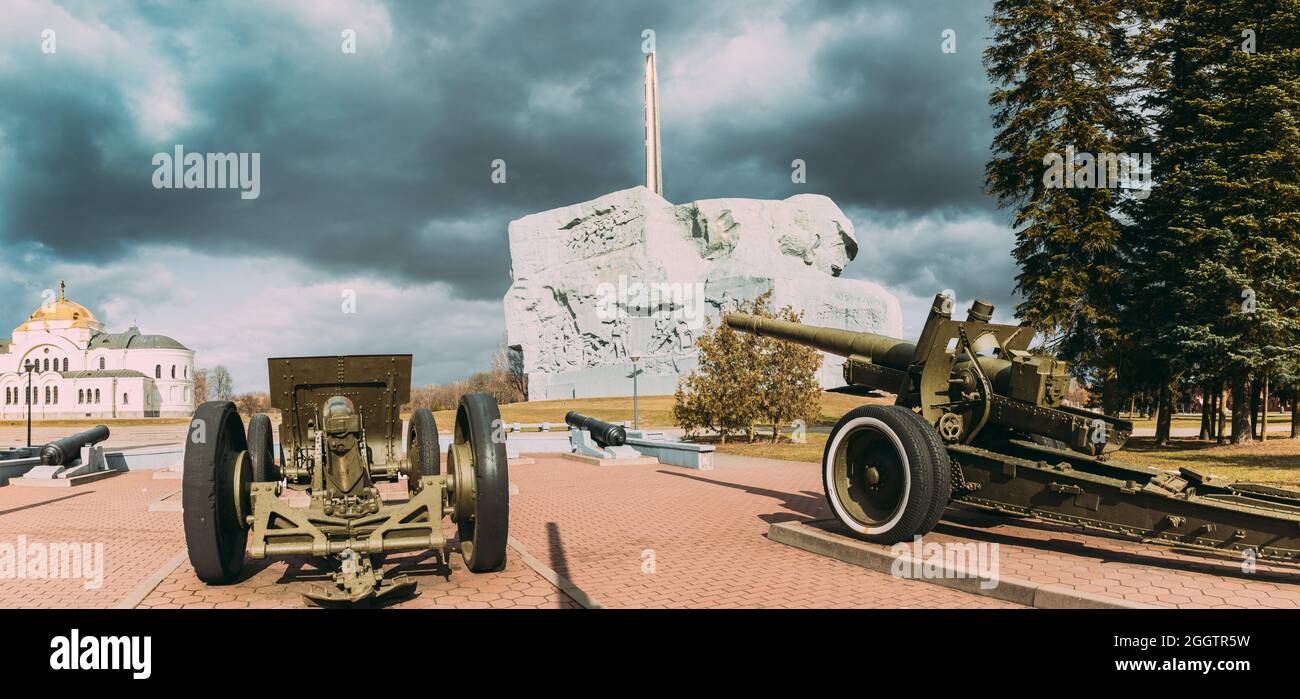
{"points": [[378, 163], [907, 129]]}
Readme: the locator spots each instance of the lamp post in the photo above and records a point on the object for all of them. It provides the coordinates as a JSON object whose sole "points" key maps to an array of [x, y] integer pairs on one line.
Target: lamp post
{"points": [[30, 368], [636, 418]]}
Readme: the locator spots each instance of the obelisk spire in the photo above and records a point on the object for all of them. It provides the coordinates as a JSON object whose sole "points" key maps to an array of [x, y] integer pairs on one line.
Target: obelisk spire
{"points": [[654, 175]]}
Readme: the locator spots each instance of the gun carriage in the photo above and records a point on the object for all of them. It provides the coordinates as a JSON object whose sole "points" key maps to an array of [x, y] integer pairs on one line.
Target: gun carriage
{"points": [[981, 420], [339, 438]]}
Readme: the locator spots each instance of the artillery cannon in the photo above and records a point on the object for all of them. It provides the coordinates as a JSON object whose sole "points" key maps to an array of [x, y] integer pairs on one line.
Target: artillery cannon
{"points": [[62, 458], [979, 419], [64, 451], [606, 434], [600, 440], [340, 437]]}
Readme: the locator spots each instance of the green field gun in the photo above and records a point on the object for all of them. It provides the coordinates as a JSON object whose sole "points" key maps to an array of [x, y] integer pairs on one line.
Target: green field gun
{"points": [[979, 419], [340, 436]]}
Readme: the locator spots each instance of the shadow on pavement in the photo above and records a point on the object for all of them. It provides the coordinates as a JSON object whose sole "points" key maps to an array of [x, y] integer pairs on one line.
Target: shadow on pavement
{"points": [[982, 527], [557, 560], [29, 506], [806, 503]]}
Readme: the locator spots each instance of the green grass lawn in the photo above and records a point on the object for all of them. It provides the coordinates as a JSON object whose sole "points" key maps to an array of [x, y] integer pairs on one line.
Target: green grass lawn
{"points": [[1275, 461], [810, 450], [1195, 420]]}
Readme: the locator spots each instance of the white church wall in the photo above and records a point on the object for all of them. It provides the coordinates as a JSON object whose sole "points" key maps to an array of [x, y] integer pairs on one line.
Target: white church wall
{"points": [[65, 339], [172, 375]]}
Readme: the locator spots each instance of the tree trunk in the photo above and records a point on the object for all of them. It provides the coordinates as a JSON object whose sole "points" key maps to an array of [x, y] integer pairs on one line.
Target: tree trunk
{"points": [[1206, 407], [1110, 398], [1254, 407], [776, 433], [1220, 403], [1295, 413], [1241, 429], [1164, 415], [1263, 418]]}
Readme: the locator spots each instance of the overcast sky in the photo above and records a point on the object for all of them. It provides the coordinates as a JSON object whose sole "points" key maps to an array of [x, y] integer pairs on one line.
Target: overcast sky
{"points": [[376, 165]]}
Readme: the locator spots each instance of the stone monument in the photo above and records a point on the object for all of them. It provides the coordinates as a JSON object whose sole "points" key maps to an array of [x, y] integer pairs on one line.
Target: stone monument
{"points": [[624, 284], [630, 275]]}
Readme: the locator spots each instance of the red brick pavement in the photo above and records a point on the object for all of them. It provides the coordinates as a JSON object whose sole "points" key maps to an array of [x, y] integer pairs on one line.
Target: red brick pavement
{"points": [[139, 544], [706, 531], [1049, 554], [279, 584], [112, 512], [627, 536], [705, 534]]}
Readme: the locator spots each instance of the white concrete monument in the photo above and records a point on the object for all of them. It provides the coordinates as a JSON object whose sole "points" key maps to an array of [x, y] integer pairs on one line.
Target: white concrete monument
{"points": [[630, 274], [631, 278]]}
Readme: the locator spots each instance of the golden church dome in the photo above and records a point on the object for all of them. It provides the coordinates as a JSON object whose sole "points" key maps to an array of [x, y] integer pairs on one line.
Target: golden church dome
{"points": [[62, 310]]}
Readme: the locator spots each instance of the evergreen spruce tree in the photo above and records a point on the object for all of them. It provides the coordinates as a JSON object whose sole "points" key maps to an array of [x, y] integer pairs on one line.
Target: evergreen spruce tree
{"points": [[1063, 76], [1213, 251]]}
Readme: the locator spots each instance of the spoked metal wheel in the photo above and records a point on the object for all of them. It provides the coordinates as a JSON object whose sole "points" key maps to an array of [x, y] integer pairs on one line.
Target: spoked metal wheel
{"points": [[215, 492], [886, 473], [477, 464]]}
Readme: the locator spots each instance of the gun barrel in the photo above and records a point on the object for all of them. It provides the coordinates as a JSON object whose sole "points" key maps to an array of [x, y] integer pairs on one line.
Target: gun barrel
{"points": [[605, 433], [61, 451], [880, 349]]}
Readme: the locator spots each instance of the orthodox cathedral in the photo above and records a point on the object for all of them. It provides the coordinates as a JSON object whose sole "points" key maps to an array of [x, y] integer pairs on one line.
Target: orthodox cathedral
{"points": [[63, 363]]}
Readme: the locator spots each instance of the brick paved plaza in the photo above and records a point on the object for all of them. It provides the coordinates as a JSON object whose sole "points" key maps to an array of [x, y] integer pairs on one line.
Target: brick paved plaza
{"points": [[615, 536]]}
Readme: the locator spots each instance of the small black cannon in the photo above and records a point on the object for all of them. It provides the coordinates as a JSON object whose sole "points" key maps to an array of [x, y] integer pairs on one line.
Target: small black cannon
{"points": [[604, 433], [62, 452]]}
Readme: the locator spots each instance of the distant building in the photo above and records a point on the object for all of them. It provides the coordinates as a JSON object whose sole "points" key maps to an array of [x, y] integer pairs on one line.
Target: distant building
{"points": [[80, 371]]}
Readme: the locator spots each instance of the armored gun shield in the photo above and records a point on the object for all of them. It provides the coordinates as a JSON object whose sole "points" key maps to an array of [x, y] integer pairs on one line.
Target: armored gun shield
{"points": [[376, 384]]}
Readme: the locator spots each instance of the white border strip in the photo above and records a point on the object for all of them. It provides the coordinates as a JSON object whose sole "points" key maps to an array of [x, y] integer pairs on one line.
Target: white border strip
{"points": [[564, 584]]}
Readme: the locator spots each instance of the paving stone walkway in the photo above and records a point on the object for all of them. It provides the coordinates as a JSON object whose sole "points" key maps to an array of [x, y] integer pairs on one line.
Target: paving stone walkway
{"points": [[647, 536]]}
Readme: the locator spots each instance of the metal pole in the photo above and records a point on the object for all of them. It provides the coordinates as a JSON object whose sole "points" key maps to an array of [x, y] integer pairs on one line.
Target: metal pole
{"points": [[636, 418], [29, 405]]}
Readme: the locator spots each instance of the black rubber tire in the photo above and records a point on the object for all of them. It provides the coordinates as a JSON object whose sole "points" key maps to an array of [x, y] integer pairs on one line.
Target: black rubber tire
{"points": [[214, 537], [942, 485], [261, 449], [478, 419], [422, 443], [929, 475]]}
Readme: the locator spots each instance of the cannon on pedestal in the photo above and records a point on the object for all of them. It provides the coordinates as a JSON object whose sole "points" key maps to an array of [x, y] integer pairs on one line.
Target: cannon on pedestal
{"points": [[72, 456], [62, 452], [596, 438]]}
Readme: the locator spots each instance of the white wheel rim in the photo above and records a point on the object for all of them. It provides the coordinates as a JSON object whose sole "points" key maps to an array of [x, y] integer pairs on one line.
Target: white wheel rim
{"points": [[828, 472]]}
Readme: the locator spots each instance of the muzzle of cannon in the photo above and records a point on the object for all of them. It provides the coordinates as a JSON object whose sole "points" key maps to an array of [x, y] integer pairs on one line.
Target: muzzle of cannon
{"points": [[63, 451], [605, 434]]}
